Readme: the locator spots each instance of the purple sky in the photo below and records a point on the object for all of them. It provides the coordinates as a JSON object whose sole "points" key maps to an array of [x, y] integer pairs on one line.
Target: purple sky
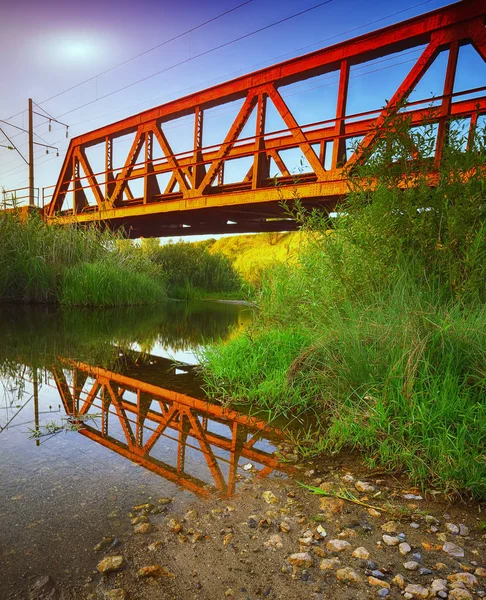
{"points": [[47, 47]]}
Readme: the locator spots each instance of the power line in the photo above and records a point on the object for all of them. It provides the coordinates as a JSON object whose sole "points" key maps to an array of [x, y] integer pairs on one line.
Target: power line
{"points": [[205, 53]]}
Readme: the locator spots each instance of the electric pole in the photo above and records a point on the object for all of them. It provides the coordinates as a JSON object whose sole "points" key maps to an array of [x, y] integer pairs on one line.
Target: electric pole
{"points": [[31, 155]]}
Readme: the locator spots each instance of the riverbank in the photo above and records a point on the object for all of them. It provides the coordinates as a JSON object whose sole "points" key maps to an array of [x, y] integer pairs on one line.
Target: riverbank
{"points": [[276, 540]]}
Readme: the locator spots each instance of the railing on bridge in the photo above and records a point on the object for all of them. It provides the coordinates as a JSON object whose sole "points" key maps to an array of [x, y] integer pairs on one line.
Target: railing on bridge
{"points": [[228, 186], [19, 197]]}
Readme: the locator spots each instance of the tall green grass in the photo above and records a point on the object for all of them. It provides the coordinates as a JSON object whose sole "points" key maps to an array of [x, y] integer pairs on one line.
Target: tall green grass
{"points": [[380, 329], [49, 264]]}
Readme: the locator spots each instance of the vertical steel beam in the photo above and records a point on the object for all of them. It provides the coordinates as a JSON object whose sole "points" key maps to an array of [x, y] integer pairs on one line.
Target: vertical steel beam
{"points": [[198, 168], [260, 162], [445, 110], [150, 183], [339, 147], [109, 177]]}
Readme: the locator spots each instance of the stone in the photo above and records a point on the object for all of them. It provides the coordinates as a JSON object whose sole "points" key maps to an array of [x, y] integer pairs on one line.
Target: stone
{"points": [[374, 513], [399, 581], [348, 478], [274, 542], [270, 497], [175, 525], [110, 563], [424, 571], [480, 572], [115, 594], [227, 539], [378, 582], [143, 528], [107, 542], [364, 487], [389, 527], [417, 591], [468, 579], [284, 527], [229, 593], [453, 549], [143, 507], [438, 585], [155, 571], [337, 545], [411, 565], [326, 486], [301, 559], [383, 592], [451, 528], [328, 564], [43, 588], [459, 594], [390, 540], [361, 553], [321, 531], [332, 506], [463, 530], [191, 515], [431, 520], [164, 501], [140, 519], [404, 548], [153, 546], [348, 575], [378, 574]]}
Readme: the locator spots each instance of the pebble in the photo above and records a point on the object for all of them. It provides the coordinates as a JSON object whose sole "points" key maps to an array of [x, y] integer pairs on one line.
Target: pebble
{"points": [[378, 582], [301, 559], [110, 563], [399, 581], [155, 571], [143, 528], [274, 542], [383, 592], [270, 497], [284, 526], [404, 548], [115, 594], [439, 585], [459, 594], [321, 531], [164, 501], [453, 549], [467, 579], [364, 487], [337, 545], [411, 565], [463, 530], [389, 527], [328, 564], [416, 591], [390, 540], [140, 519], [361, 553], [332, 506], [378, 574], [106, 542], [229, 593], [451, 528], [424, 571], [175, 526], [480, 572], [348, 575], [414, 525]]}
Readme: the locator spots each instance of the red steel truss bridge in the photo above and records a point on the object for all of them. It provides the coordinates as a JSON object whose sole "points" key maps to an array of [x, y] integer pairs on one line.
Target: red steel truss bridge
{"points": [[140, 421], [150, 189]]}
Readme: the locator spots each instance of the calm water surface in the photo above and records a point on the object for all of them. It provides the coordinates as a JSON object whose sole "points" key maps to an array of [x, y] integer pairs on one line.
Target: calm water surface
{"points": [[100, 411]]}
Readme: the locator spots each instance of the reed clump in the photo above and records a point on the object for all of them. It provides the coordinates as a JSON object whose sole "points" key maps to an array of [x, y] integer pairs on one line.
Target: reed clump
{"points": [[380, 328]]}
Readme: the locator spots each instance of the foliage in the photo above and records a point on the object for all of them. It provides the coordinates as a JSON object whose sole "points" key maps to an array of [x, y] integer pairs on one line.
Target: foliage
{"points": [[39, 263], [190, 268], [389, 310]]}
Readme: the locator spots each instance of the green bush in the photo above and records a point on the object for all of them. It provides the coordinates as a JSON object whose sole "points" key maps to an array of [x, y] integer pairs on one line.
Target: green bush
{"points": [[388, 301]]}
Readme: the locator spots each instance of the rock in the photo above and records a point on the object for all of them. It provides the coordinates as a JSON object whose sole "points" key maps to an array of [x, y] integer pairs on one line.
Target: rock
{"points": [[155, 571], [229, 593], [364, 487], [389, 527], [165, 501], [143, 528], [321, 531], [332, 506], [404, 548], [417, 591], [175, 526], [115, 594], [361, 553], [451, 528], [414, 525], [378, 582], [463, 530], [274, 542], [110, 563], [431, 520], [327, 486], [348, 478], [143, 507], [270, 497], [43, 589], [439, 585], [348, 575], [284, 527], [453, 549], [140, 519], [411, 565], [153, 546], [374, 513], [105, 543], [424, 571], [468, 579], [390, 540], [227, 539], [301, 559], [459, 594], [191, 515], [412, 497], [480, 572], [399, 581], [328, 564], [375, 572], [383, 592], [337, 545]]}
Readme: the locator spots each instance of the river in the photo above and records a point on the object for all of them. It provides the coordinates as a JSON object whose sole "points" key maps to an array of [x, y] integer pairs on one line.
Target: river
{"points": [[99, 409]]}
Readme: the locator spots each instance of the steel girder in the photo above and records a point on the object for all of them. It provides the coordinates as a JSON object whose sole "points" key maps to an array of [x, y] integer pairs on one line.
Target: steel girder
{"points": [[196, 199]]}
